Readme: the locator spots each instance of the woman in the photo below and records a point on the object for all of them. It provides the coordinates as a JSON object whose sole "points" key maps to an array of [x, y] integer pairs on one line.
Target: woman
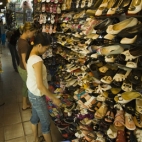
{"points": [[38, 87], [28, 31], [12, 37]]}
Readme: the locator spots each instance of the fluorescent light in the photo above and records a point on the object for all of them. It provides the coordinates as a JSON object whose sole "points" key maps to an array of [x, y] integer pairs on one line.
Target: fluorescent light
{"points": [[1, 3]]}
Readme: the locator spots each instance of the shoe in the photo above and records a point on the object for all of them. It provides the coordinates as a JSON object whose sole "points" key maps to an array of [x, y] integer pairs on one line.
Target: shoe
{"points": [[135, 7], [138, 122], [132, 64], [126, 97], [131, 32], [110, 49], [43, 7], [108, 78], [129, 122], [102, 7], [123, 8], [97, 4], [110, 4], [113, 9], [101, 27], [139, 105], [128, 40], [131, 54], [121, 136], [116, 28]]}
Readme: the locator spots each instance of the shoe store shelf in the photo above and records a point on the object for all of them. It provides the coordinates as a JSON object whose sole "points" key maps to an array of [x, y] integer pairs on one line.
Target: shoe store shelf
{"points": [[97, 69]]}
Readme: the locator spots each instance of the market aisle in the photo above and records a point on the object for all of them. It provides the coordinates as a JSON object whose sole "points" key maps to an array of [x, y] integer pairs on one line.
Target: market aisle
{"points": [[14, 123]]}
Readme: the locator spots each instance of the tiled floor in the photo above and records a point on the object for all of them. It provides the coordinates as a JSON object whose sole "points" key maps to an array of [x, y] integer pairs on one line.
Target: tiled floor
{"points": [[14, 123]]}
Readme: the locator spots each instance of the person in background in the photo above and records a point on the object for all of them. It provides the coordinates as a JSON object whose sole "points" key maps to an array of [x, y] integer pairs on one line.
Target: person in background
{"points": [[38, 87], [23, 47], [2, 30], [12, 37]]}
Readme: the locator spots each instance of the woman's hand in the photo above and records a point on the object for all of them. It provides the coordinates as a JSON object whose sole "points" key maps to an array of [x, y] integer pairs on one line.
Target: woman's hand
{"points": [[56, 102]]}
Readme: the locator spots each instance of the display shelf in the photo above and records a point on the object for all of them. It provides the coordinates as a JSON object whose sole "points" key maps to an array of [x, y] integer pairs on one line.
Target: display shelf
{"points": [[90, 83]]}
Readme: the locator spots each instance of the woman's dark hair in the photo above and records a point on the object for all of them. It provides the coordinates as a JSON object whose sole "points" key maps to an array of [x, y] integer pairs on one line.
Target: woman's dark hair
{"points": [[40, 38]]}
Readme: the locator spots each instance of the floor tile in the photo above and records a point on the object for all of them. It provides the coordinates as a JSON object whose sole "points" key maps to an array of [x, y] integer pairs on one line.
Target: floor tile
{"points": [[26, 115], [22, 139], [11, 118], [30, 138], [11, 108], [27, 128], [1, 134], [13, 131]]}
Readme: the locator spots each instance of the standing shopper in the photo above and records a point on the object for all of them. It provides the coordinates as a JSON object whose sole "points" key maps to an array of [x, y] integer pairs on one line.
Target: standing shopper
{"points": [[3, 36], [23, 46], [38, 87], [12, 41]]}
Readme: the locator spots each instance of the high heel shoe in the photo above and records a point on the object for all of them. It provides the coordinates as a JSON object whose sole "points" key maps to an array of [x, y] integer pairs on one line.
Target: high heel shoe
{"points": [[112, 10], [128, 40], [116, 28], [131, 32], [110, 4], [97, 4], [102, 7], [123, 7], [101, 27], [135, 7]]}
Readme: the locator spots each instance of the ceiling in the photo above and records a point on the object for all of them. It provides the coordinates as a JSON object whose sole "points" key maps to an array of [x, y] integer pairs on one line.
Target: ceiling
{"points": [[4, 4]]}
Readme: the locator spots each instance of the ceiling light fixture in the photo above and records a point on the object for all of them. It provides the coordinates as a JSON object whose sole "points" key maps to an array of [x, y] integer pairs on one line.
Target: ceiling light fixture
{"points": [[1, 3]]}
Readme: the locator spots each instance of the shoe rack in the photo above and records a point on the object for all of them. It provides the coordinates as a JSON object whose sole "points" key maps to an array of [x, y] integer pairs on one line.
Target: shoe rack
{"points": [[46, 12], [96, 66]]}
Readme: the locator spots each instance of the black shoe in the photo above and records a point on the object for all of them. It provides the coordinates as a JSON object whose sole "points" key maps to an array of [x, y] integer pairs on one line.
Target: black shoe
{"points": [[123, 7]]}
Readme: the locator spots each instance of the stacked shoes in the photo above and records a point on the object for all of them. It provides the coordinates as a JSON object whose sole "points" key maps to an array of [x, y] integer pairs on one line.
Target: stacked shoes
{"points": [[98, 74]]}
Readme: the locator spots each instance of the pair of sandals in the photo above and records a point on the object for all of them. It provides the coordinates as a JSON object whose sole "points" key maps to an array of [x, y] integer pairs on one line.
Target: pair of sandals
{"points": [[124, 119]]}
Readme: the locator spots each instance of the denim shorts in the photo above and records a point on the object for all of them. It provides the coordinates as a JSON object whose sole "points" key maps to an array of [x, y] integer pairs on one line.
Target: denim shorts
{"points": [[40, 112]]}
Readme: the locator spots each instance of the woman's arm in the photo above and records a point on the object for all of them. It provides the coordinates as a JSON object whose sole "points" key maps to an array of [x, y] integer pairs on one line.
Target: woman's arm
{"points": [[23, 56], [39, 80]]}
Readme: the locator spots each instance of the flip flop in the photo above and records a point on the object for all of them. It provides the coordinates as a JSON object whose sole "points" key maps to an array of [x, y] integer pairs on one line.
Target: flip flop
{"points": [[26, 108], [112, 132], [41, 139], [129, 122], [119, 118]]}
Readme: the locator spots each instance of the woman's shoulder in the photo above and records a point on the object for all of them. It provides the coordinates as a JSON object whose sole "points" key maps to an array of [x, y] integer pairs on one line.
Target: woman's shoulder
{"points": [[35, 58]]}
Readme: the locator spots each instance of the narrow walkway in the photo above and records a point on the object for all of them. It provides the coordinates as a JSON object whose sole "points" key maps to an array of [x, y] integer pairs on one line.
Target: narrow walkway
{"points": [[14, 123]]}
